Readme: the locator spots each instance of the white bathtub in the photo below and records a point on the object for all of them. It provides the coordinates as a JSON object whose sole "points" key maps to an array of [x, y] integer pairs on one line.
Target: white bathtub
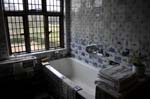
{"points": [[78, 72]]}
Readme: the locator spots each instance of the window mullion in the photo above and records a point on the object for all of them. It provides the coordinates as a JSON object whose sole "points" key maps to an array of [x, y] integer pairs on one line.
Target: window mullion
{"points": [[61, 22], [26, 26], [46, 32]]}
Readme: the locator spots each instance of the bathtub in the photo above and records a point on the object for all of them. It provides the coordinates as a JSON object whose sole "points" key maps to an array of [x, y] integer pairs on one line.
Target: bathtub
{"points": [[75, 72]]}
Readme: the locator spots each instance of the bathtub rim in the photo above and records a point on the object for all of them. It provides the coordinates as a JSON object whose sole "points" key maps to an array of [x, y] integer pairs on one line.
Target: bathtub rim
{"points": [[80, 61], [67, 80], [72, 84]]}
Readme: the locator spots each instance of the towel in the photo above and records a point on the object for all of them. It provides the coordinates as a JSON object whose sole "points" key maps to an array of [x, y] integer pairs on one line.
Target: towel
{"points": [[117, 78]]}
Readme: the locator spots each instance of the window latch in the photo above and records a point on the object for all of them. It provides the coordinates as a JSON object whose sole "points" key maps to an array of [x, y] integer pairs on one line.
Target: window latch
{"points": [[49, 32]]}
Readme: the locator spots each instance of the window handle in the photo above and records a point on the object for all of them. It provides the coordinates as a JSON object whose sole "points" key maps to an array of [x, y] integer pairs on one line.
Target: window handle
{"points": [[49, 32]]}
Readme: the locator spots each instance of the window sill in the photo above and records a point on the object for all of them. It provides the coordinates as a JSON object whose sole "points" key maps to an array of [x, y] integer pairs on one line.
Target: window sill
{"points": [[39, 53]]}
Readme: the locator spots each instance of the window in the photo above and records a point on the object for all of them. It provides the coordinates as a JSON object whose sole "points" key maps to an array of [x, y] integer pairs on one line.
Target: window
{"points": [[34, 25]]}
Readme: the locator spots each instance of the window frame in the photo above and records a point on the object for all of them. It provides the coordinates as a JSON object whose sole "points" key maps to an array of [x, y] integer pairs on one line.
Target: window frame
{"points": [[25, 13]]}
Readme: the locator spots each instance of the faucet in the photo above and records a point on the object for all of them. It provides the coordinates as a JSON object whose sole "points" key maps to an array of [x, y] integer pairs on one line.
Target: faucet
{"points": [[94, 49]]}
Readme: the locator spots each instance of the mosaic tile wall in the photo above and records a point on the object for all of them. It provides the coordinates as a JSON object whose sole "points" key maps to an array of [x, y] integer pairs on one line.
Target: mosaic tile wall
{"points": [[119, 27]]}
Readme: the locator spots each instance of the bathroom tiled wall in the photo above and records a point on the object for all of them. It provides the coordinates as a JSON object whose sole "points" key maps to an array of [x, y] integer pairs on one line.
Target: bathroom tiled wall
{"points": [[117, 26]]}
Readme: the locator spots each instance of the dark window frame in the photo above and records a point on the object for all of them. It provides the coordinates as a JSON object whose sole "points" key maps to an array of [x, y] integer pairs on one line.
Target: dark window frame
{"points": [[25, 13]]}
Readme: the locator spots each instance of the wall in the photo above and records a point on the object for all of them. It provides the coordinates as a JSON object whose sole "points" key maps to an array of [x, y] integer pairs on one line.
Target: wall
{"points": [[3, 41], [117, 26]]}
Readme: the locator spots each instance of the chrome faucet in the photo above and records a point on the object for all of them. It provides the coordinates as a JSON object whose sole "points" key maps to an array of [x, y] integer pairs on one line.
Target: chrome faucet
{"points": [[94, 49]]}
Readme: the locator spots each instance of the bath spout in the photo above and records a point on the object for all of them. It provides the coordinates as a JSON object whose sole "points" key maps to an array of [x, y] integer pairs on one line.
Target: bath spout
{"points": [[94, 49]]}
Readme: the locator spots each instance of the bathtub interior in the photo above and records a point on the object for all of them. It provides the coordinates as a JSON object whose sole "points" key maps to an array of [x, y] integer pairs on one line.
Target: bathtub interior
{"points": [[63, 66], [80, 73]]}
